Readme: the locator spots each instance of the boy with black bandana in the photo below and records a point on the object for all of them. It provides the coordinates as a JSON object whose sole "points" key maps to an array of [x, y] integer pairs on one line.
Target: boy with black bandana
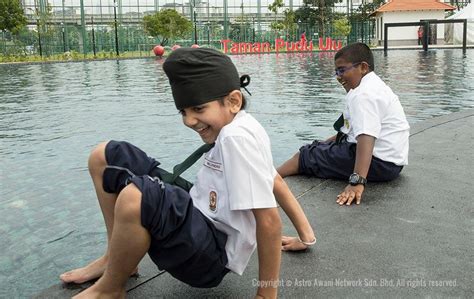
{"points": [[198, 237]]}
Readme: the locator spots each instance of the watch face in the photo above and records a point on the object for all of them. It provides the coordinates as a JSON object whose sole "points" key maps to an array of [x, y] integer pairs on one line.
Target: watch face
{"points": [[354, 178]]}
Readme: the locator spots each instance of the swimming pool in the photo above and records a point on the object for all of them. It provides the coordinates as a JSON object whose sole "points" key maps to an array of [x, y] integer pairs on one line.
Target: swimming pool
{"points": [[53, 114]]}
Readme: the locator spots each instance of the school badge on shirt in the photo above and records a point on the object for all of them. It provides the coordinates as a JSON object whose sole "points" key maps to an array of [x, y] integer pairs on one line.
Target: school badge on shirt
{"points": [[212, 201], [346, 123]]}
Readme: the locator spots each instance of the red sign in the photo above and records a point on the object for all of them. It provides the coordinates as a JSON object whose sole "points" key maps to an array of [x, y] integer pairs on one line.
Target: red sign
{"points": [[280, 45]]}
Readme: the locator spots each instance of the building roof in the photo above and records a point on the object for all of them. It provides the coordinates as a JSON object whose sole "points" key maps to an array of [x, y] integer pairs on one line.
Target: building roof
{"points": [[410, 5]]}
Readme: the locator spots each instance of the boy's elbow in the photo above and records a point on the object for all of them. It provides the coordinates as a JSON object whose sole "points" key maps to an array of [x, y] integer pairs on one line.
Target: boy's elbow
{"points": [[279, 186], [278, 179], [269, 220]]}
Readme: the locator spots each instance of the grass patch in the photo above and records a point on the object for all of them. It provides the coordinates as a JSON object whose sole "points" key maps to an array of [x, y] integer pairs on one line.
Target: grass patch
{"points": [[71, 56]]}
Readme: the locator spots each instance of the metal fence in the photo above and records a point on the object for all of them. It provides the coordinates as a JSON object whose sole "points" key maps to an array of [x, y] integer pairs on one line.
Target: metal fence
{"points": [[105, 27]]}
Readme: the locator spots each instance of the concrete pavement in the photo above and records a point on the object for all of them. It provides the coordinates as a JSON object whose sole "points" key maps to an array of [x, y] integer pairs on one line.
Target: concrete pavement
{"points": [[412, 237]]}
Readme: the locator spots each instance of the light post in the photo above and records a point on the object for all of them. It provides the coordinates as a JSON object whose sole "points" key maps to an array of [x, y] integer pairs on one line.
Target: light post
{"points": [[208, 26], [308, 30], [64, 28], [195, 27], [299, 28], [38, 29], [242, 33], [64, 37], [93, 37], [253, 29], [39, 36], [4, 41], [115, 26]]}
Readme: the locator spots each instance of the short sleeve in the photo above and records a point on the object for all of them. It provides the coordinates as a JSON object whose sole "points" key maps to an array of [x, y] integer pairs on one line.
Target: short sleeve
{"points": [[248, 175]]}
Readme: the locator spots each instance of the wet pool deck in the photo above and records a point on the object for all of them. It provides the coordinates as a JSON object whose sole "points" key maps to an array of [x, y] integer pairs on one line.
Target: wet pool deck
{"points": [[412, 237]]}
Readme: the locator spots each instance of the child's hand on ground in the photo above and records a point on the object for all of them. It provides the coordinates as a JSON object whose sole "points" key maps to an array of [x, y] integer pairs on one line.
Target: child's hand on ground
{"points": [[292, 244], [349, 194]]}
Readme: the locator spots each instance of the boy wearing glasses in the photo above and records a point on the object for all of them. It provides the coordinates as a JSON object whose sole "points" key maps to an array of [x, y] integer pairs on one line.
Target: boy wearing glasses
{"points": [[372, 139]]}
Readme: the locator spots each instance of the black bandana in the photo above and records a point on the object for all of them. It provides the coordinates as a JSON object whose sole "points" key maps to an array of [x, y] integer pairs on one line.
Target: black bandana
{"points": [[200, 75]]}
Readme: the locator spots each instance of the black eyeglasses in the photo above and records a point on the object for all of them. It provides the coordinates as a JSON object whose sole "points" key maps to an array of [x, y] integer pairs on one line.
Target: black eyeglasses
{"points": [[341, 70]]}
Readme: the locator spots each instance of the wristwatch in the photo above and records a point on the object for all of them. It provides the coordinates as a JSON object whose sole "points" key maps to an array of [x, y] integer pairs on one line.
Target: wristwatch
{"points": [[356, 179]]}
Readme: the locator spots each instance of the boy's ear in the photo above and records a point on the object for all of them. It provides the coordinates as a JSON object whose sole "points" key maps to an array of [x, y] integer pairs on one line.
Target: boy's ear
{"points": [[365, 68], [235, 101]]}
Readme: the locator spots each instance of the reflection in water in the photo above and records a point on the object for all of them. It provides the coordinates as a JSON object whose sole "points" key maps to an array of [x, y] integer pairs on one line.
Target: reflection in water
{"points": [[51, 116]]}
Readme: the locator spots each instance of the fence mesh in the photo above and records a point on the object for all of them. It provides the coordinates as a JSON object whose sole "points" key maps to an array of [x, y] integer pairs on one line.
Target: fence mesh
{"points": [[104, 27]]}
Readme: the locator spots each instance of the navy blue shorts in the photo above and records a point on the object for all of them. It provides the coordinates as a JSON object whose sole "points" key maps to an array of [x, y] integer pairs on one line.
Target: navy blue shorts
{"points": [[329, 160], [183, 241]]}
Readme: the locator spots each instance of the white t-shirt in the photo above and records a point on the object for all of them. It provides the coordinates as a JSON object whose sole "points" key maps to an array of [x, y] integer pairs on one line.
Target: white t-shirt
{"points": [[373, 109], [237, 175]]}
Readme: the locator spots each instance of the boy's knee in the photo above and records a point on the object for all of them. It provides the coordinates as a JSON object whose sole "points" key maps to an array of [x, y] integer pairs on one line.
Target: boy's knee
{"points": [[128, 205], [97, 158], [296, 158]]}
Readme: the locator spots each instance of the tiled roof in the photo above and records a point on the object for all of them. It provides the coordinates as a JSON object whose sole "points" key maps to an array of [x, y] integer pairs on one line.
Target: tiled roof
{"points": [[407, 5]]}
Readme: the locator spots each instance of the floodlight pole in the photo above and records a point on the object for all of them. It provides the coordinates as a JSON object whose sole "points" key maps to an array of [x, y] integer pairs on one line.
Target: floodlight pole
{"points": [[65, 46], [39, 36], [195, 27], [115, 26], [93, 37], [253, 29], [464, 36], [208, 33]]}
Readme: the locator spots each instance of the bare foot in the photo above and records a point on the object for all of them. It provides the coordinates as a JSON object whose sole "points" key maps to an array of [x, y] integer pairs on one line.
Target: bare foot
{"points": [[92, 271], [93, 292]]}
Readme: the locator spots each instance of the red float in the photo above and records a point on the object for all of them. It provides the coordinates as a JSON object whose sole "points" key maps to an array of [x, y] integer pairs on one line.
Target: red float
{"points": [[159, 50], [175, 47], [195, 46]]}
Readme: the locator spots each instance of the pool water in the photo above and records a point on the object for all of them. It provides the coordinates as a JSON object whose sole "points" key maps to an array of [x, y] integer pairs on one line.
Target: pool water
{"points": [[52, 115]]}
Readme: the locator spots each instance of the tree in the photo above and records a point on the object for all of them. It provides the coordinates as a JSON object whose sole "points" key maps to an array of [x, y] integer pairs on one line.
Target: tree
{"points": [[365, 9], [342, 27], [167, 24], [274, 7], [11, 16], [361, 18], [289, 22], [239, 30], [306, 15], [322, 12], [455, 2], [290, 19]]}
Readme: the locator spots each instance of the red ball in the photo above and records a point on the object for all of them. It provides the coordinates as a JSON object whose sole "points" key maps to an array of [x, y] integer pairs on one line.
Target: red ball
{"points": [[175, 47], [159, 50], [195, 46]]}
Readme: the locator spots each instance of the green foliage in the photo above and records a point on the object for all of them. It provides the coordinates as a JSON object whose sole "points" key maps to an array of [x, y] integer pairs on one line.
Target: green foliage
{"points": [[306, 15], [289, 22], [11, 16], [67, 56], [242, 19], [215, 29], [277, 4], [167, 24], [342, 27], [277, 25], [240, 29], [362, 13], [274, 7], [318, 12]]}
